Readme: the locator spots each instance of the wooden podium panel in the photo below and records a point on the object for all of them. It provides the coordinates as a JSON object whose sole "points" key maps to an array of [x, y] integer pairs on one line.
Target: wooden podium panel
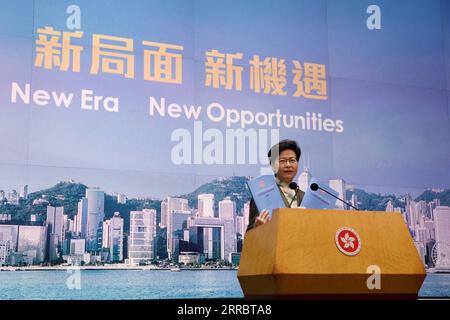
{"points": [[295, 254]]}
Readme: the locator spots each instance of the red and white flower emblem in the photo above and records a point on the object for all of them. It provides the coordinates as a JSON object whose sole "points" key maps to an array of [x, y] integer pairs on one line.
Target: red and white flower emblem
{"points": [[348, 241]]}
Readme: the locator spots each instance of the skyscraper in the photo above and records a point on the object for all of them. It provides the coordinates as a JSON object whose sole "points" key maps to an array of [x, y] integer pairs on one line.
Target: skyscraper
{"points": [[13, 197], [227, 212], [389, 206], [8, 241], [354, 201], [338, 185], [142, 236], [411, 214], [421, 209], [442, 224], [95, 216], [442, 229], [77, 246], [206, 205], [27, 241], [227, 209], [81, 218], [218, 236], [5, 249], [172, 205], [230, 239], [54, 222], [115, 242], [31, 243], [246, 214], [66, 227], [240, 228], [24, 192], [105, 234], [164, 212], [304, 178], [178, 224], [431, 205], [121, 198]]}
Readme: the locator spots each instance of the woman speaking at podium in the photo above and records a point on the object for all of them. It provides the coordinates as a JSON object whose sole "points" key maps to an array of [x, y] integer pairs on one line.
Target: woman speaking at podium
{"points": [[283, 158]]}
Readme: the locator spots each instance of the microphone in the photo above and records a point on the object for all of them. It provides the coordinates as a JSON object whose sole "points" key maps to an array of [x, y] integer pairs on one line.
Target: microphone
{"points": [[314, 187], [295, 187]]}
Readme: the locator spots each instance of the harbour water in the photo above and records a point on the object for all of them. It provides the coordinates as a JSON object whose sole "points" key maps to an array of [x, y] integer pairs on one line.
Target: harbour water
{"points": [[145, 284]]}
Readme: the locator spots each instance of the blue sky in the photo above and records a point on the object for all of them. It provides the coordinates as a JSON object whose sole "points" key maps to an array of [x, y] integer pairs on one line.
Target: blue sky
{"points": [[389, 86]]}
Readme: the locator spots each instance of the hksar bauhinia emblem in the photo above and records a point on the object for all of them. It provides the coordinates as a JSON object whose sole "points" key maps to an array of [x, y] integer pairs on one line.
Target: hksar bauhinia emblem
{"points": [[348, 241]]}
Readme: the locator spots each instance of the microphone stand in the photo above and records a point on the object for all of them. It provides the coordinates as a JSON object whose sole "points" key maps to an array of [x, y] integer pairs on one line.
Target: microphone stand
{"points": [[338, 198], [295, 196]]}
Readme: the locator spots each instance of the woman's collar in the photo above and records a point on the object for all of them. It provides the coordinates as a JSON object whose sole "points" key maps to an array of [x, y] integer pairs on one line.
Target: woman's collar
{"points": [[282, 183]]}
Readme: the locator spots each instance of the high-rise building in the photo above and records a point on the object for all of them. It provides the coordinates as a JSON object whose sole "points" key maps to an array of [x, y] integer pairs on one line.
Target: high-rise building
{"points": [[421, 209], [442, 224], [431, 206], [8, 241], [206, 205], [227, 209], [421, 250], [430, 230], [13, 197], [230, 239], [421, 234], [142, 236], [354, 201], [70, 225], [304, 178], [240, 227], [24, 192], [161, 243], [172, 205], [31, 243], [55, 230], [164, 212], [121, 198], [213, 243], [55, 220], [105, 234], [95, 216], [408, 199], [67, 225], [2, 195], [216, 238], [77, 246], [442, 228], [246, 213], [26, 241], [389, 206], [178, 223], [81, 218], [115, 243], [338, 185], [5, 250], [411, 213]]}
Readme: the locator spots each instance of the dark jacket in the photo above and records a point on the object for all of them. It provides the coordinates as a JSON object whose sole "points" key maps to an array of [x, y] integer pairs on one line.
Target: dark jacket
{"points": [[254, 211]]}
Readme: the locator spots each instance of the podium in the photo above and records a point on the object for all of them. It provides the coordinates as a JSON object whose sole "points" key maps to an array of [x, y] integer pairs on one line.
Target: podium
{"points": [[314, 253]]}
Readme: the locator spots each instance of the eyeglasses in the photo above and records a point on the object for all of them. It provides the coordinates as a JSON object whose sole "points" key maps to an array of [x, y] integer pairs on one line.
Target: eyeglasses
{"points": [[284, 162]]}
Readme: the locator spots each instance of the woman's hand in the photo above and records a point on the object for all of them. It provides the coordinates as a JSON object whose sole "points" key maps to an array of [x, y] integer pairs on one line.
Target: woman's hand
{"points": [[262, 218]]}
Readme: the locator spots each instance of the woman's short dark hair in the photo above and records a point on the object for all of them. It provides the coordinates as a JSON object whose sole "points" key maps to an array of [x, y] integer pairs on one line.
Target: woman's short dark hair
{"points": [[276, 150]]}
